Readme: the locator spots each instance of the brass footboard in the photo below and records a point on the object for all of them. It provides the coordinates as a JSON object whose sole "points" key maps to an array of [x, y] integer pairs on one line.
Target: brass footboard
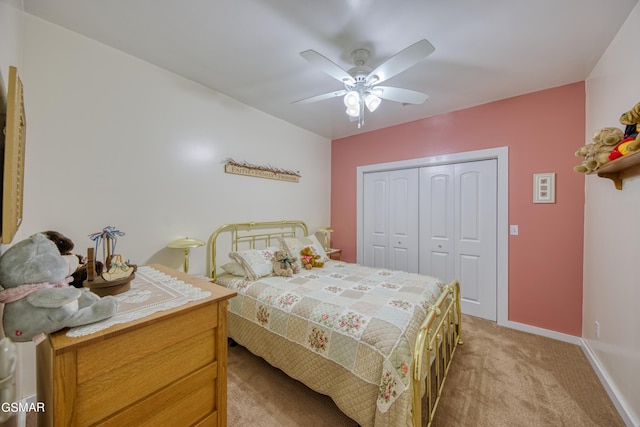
{"points": [[439, 335]]}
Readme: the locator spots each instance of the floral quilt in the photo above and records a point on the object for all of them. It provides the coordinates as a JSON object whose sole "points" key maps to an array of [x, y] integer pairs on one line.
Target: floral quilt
{"points": [[362, 318]]}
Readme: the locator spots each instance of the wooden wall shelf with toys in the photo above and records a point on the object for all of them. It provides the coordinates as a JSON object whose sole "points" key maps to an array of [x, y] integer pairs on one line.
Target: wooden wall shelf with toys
{"points": [[619, 169]]}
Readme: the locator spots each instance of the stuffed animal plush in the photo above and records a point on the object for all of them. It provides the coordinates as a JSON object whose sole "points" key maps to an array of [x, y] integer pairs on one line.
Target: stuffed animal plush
{"points": [[632, 117], [37, 296], [628, 144], [310, 258], [283, 265], [597, 153], [65, 246]]}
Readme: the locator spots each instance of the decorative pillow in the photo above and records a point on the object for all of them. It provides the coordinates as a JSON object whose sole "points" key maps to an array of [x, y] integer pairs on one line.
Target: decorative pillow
{"points": [[235, 268], [256, 262], [294, 244]]}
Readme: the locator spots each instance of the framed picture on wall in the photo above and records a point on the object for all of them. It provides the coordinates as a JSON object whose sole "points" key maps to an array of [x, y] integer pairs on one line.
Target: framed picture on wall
{"points": [[13, 164], [544, 188]]}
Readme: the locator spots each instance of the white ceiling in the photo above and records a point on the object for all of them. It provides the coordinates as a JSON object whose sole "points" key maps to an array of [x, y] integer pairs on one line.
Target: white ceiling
{"points": [[486, 50]]}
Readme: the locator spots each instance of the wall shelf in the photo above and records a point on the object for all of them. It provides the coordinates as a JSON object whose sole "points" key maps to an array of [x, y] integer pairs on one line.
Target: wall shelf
{"points": [[621, 168]]}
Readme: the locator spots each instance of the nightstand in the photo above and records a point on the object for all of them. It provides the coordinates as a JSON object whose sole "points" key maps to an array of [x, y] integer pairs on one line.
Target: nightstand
{"points": [[331, 252]]}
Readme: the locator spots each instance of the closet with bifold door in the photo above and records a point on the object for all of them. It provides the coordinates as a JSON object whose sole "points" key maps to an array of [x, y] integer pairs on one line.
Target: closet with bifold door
{"points": [[390, 219], [436, 220]]}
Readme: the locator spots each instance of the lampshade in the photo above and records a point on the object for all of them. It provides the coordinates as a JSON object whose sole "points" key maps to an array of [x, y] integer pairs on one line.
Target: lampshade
{"points": [[354, 110], [185, 242], [372, 102], [352, 98], [326, 231]]}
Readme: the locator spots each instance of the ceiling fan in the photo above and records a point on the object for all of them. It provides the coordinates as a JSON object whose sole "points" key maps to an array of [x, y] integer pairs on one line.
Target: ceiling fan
{"points": [[361, 82]]}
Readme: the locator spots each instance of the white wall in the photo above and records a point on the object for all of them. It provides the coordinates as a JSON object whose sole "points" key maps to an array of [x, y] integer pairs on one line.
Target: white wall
{"points": [[612, 237], [10, 38], [113, 140]]}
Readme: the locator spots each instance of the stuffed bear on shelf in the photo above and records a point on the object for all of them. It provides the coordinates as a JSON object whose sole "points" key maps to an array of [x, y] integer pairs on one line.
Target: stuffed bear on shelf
{"points": [[597, 153], [632, 120], [36, 293], [628, 144], [631, 141]]}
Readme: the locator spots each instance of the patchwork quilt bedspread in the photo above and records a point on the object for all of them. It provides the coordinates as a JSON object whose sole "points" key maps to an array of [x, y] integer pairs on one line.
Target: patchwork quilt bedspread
{"points": [[363, 319]]}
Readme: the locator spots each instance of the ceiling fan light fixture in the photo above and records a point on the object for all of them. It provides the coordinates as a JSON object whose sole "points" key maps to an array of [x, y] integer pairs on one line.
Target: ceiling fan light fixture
{"points": [[353, 110], [352, 98], [372, 102], [360, 81]]}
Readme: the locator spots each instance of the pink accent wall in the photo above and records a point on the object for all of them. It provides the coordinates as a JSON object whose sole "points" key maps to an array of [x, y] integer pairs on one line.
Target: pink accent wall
{"points": [[542, 130]]}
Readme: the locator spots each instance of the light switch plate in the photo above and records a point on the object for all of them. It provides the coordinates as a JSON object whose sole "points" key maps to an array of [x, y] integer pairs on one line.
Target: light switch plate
{"points": [[513, 230]]}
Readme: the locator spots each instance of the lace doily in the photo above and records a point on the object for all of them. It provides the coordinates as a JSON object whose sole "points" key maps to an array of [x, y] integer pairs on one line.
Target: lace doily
{"points": [[151, 291]]}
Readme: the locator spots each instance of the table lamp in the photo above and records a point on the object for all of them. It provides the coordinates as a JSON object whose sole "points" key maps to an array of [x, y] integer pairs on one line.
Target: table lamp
{"points": [[185, 243], [326, 231]]}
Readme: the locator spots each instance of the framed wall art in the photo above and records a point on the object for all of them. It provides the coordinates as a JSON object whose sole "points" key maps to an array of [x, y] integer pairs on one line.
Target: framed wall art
{"points": [[14, 145], [270, 172], [544, 188]]}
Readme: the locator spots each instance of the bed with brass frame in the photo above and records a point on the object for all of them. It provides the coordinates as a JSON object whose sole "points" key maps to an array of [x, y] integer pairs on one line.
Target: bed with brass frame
{"points": [[435, 342]]}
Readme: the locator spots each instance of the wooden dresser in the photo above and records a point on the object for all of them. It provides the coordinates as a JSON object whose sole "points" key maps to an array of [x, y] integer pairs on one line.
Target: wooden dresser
{"points": [[169, 368]]}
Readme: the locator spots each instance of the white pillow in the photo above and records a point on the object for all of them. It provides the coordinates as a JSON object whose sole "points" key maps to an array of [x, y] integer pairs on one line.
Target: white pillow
{"points": [[294, 244], [256, 262], [235, 268]]}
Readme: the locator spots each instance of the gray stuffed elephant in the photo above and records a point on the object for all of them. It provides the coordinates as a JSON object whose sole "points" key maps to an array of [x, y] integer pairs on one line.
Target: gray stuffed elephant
{"points": [[37, 296]]}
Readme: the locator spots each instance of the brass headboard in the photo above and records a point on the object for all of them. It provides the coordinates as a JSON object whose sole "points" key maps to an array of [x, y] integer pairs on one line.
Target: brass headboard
{"points": [[250, 233]]}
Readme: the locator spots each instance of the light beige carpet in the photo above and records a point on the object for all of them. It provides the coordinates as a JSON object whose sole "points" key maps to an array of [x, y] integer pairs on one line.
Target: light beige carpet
{"points": [[261, 395], [504, 377], [499, 377]]}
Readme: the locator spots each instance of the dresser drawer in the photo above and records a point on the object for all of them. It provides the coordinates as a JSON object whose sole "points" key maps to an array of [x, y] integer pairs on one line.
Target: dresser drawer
{"points": [[111, 392], [126, 349], [183, 403]]}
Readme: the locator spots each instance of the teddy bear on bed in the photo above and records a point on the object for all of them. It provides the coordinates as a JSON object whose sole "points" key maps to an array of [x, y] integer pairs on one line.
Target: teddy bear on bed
{"points": [[310, 258], [65, 246], [284, 265], [36, 293]]}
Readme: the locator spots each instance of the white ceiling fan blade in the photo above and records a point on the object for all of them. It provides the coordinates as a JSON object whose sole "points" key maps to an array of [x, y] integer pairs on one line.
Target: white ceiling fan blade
{"points": [[326, 65], [405, 96], [400, 61], [321, 97]]}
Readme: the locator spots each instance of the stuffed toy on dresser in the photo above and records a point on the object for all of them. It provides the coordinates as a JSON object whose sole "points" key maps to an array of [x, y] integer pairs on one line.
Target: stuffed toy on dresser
{"points": [[36, 294]]}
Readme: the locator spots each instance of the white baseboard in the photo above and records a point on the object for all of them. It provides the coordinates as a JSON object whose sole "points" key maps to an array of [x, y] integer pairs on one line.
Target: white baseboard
{"points": [[616, 397], [543, 332], [614, 394]]}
